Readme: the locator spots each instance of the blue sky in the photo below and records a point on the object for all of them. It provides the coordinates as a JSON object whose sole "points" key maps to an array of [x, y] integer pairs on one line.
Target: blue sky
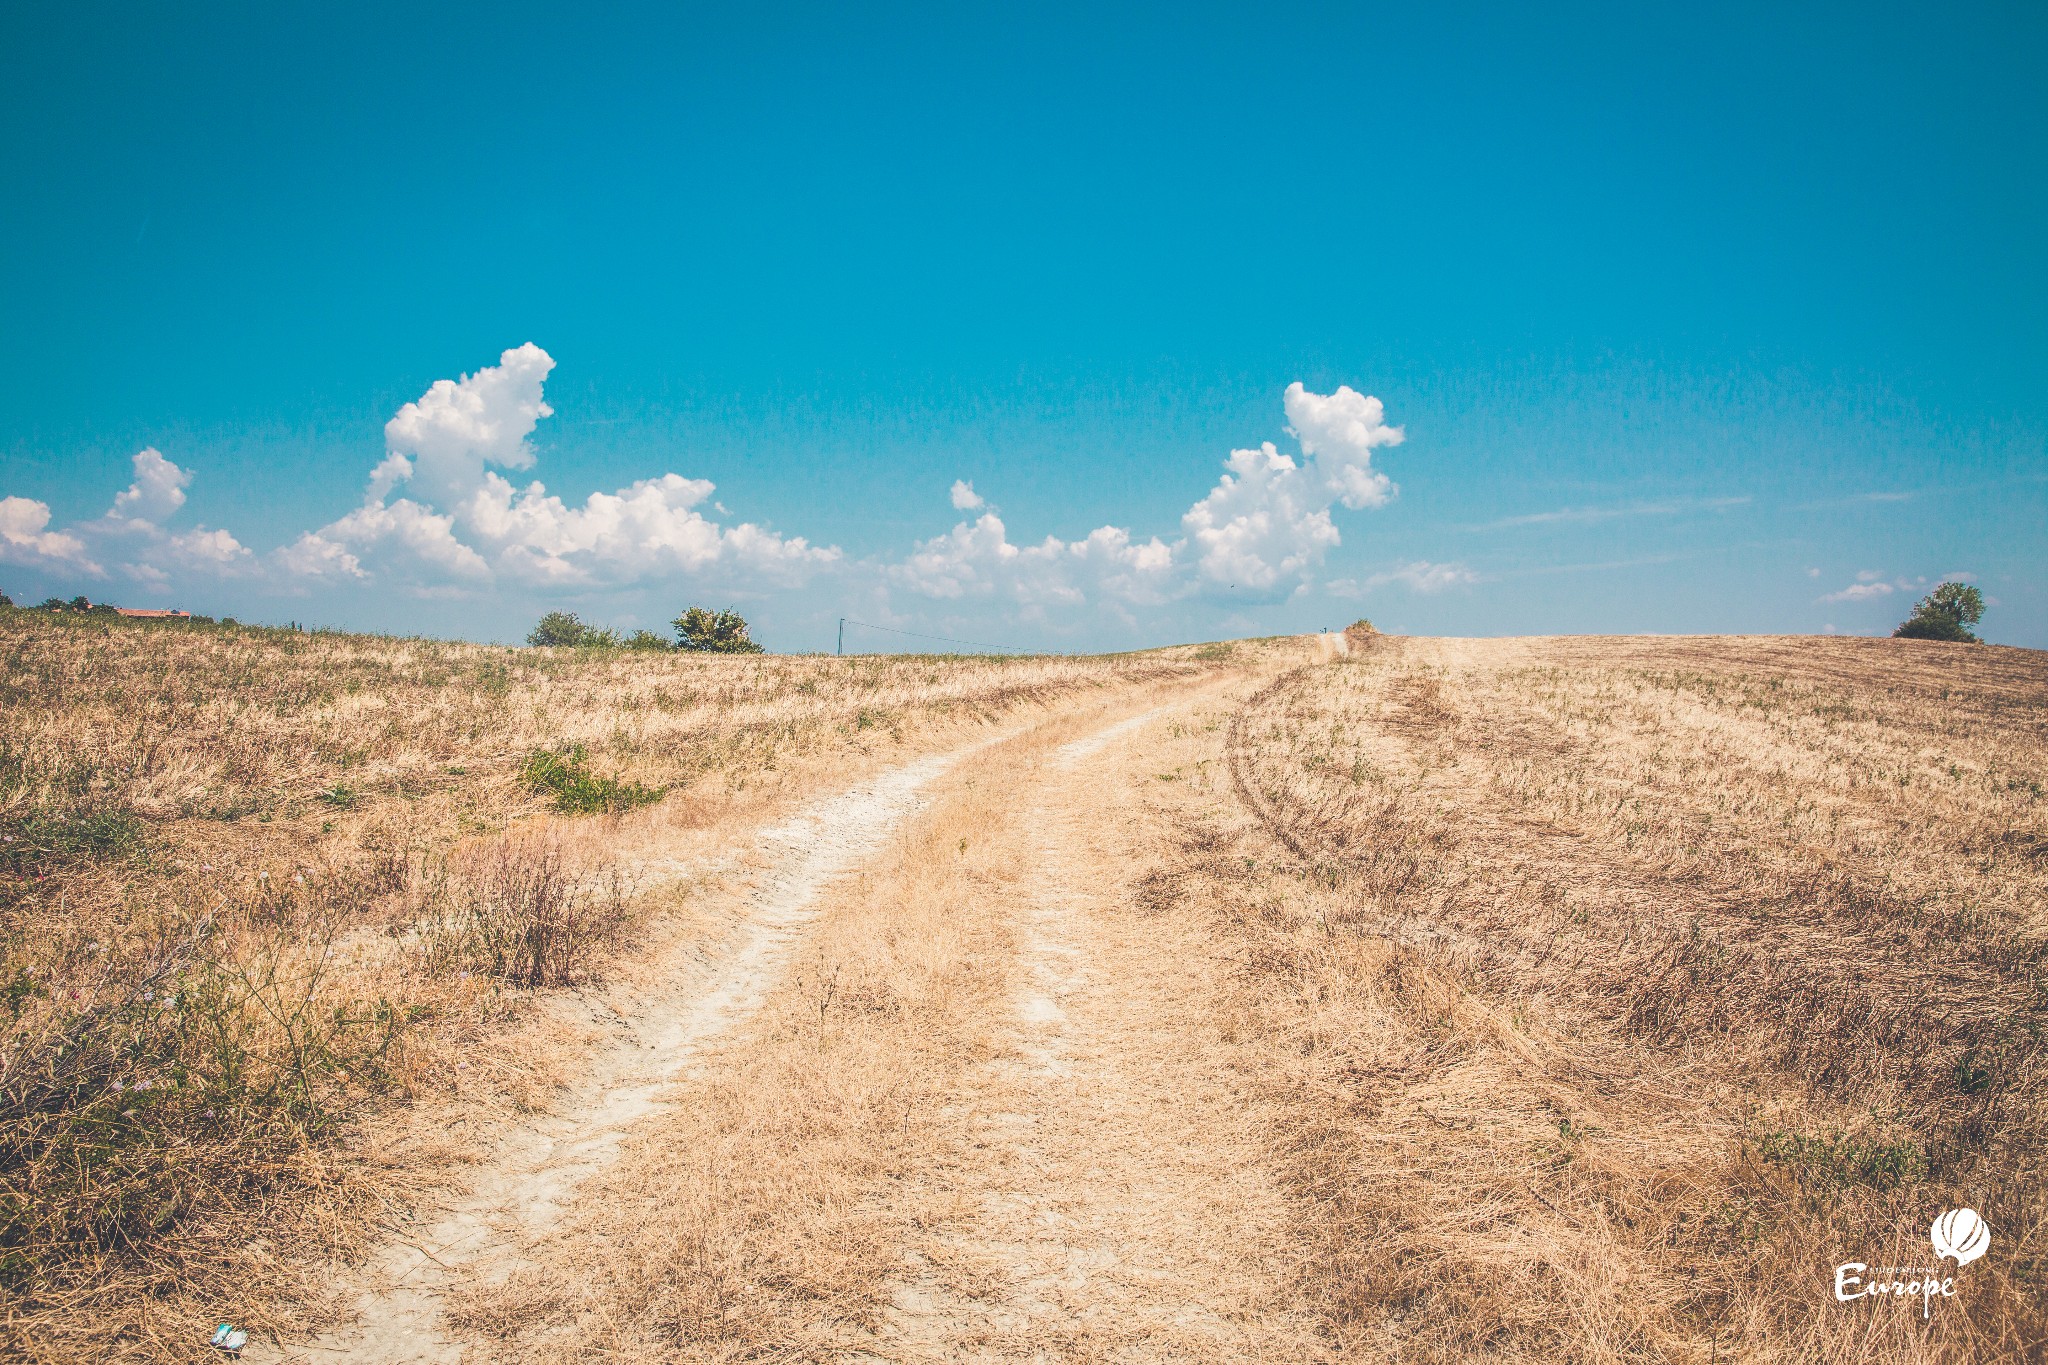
{"points": [[1717, 320]]}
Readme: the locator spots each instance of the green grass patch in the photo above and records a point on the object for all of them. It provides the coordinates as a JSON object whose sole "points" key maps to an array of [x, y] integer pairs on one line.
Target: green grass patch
{"points": [[565, 774], [41, 841], [1838, 1162]]}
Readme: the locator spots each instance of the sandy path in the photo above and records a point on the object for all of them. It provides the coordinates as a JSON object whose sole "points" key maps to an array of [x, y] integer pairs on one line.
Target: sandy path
{"points": [[519, 1189], [1115, 1172], [1088, 1159]]}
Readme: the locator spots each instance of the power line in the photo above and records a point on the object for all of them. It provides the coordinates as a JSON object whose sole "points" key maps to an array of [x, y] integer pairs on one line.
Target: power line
{"points": [[846, 621]]}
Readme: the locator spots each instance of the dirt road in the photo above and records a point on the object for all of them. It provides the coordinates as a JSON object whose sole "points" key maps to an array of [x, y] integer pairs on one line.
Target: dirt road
{"points": [[1411, 1000], [521, 1188], [941, 1096]]}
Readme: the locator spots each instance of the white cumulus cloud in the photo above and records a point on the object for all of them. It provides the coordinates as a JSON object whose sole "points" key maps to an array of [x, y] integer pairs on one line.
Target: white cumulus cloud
{"points": [[138, 514], [1258, 535], [441, 513], [652, 528], [408, 541], [464, 525], [977, 560], [130, 528], [25, 539], [1267, 522], [1264, 523], [1339, 431], [158, 490], [460, 425]]}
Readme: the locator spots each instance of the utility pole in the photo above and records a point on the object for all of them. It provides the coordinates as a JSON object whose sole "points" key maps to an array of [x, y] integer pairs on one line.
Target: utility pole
{"points": [[842, 636]]}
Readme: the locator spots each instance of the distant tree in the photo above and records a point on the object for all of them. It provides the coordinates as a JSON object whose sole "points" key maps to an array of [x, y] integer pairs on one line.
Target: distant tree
{"points": [[1947, 613], [80, 603], [567, 630], [646, 640], [53, 604], [5, 600], [562, 628], [702, 631]]}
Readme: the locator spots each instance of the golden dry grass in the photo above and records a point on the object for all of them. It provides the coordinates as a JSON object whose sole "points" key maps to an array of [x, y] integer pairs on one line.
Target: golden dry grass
{"points": [[261, 885], [1617, 990], [744, 1222], [972, 1124], [1573, 999]]}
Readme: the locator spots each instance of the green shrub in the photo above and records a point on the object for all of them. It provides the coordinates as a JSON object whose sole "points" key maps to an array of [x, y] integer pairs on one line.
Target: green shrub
{"points": [[1933, 628], [567, 630], [703, 631], [565, 773], [559, 629]]}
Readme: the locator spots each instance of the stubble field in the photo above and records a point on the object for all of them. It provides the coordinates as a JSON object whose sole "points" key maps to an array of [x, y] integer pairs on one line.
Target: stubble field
{"points": [[1382, 998]]}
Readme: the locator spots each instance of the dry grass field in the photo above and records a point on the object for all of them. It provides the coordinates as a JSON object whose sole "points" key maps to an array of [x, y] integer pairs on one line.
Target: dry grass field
{"points": [[1426, 1000], [1619, 989], [256, 884]]}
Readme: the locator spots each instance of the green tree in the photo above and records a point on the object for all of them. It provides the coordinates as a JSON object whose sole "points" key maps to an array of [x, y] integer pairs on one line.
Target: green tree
{"points": [[560, 628], [703, 631], [1947, 613], [646, 640]]}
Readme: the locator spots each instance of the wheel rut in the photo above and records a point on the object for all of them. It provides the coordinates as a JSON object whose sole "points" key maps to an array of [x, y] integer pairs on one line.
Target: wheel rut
{"points": [[518, 1190], [1114, 1182]]}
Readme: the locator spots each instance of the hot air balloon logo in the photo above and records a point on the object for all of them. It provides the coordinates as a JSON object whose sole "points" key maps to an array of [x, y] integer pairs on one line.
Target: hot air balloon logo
{"points": [[1960, 1235]]}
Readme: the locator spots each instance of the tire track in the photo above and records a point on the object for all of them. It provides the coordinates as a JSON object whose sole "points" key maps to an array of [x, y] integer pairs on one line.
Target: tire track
{"points": [[1117, 1211], [519, 1190]]}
